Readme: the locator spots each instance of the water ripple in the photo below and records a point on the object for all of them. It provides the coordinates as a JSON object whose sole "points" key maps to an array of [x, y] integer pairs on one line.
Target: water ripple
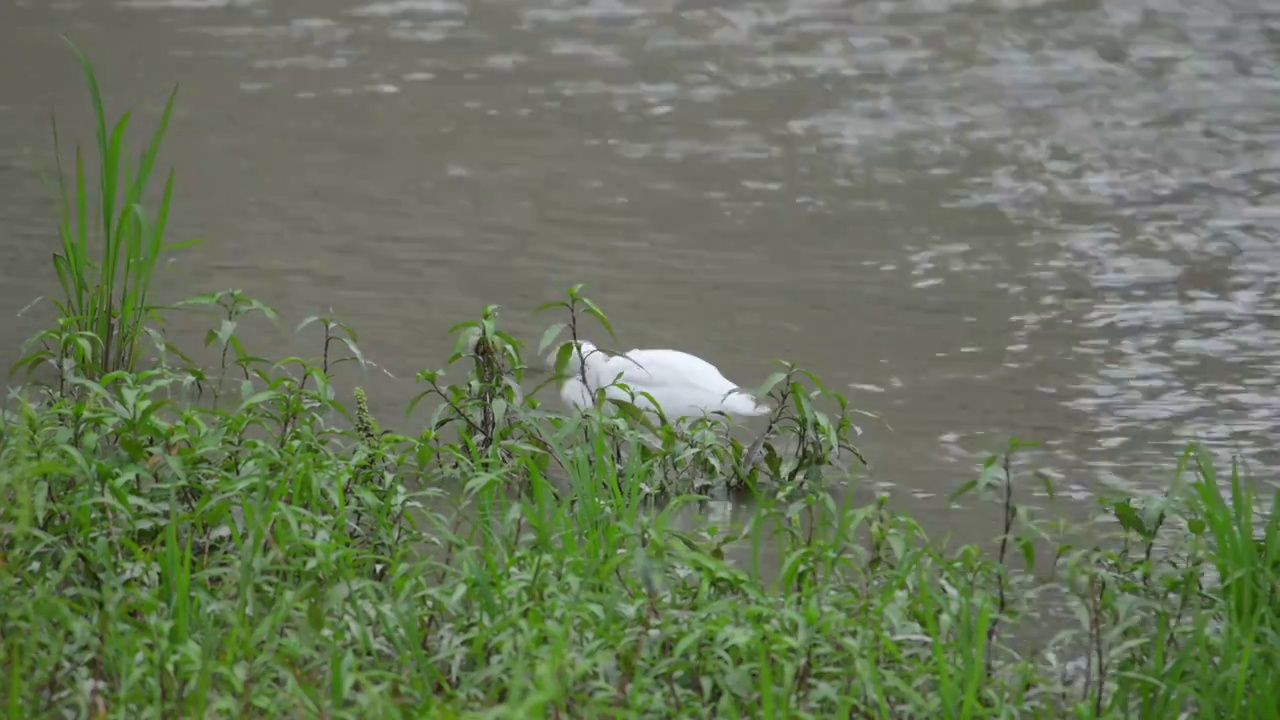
{"points": [[1075, 205]]}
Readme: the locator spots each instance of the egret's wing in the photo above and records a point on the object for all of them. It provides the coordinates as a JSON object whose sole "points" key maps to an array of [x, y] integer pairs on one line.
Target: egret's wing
{"points": [[671, 367], [681, 383]]}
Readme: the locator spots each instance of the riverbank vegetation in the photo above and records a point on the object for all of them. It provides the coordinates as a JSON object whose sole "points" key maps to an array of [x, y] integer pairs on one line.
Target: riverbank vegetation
{"points": [[244, 540]]}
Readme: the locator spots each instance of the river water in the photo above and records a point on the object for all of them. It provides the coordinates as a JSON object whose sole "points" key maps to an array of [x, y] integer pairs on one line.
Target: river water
{"points": [[978, 218]]}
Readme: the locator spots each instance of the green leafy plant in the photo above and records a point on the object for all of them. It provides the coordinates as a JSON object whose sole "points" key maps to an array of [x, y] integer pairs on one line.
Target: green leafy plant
{"points": [[106, 303]]}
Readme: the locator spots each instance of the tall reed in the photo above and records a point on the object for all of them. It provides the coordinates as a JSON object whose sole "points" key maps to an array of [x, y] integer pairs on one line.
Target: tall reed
{"points": [[106, 302]]}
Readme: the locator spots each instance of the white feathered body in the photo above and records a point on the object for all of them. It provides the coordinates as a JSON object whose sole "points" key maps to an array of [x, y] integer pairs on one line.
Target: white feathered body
{"points": [[684, 385]]}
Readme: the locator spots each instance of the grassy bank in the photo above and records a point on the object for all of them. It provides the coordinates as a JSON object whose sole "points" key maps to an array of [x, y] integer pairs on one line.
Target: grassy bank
{"points": [[243, 540]]}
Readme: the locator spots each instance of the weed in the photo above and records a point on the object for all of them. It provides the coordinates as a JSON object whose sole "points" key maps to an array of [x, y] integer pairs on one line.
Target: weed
{"points": [[105, 303]]}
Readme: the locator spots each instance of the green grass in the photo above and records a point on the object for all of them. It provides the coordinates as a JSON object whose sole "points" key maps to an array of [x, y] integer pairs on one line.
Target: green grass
{"points": [[106, 303], [235, 541]]}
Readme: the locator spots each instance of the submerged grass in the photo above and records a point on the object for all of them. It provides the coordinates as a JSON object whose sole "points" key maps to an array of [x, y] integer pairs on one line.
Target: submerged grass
{"points": [[170, 547]]}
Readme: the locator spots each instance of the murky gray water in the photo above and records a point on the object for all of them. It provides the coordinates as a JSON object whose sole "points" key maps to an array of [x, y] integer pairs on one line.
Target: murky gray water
{"points": [[1049, 219]]}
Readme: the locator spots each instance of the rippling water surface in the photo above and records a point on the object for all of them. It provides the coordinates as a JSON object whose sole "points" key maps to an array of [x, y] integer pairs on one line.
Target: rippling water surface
{"points": [[1050, 219]]}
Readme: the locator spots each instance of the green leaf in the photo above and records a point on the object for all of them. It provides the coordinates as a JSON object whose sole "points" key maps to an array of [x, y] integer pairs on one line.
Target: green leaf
{"points": [[256, 398], [562, 359], [463, 326], [354, 348], [182, 244], [1047, 482], [225, 331], [1129, 518], [770, 383], [549, 336], [548, 305], [315, 616], [963, 490], [1028, 553], [308, 321], [598, 315], [1016, 444]]}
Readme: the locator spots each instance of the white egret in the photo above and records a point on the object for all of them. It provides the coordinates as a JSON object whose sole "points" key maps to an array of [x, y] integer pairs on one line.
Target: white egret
{"points": [[683, 385]]}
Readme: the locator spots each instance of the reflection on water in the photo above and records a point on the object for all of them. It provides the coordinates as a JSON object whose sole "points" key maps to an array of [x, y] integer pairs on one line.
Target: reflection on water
{"points": [[985, 217]]}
